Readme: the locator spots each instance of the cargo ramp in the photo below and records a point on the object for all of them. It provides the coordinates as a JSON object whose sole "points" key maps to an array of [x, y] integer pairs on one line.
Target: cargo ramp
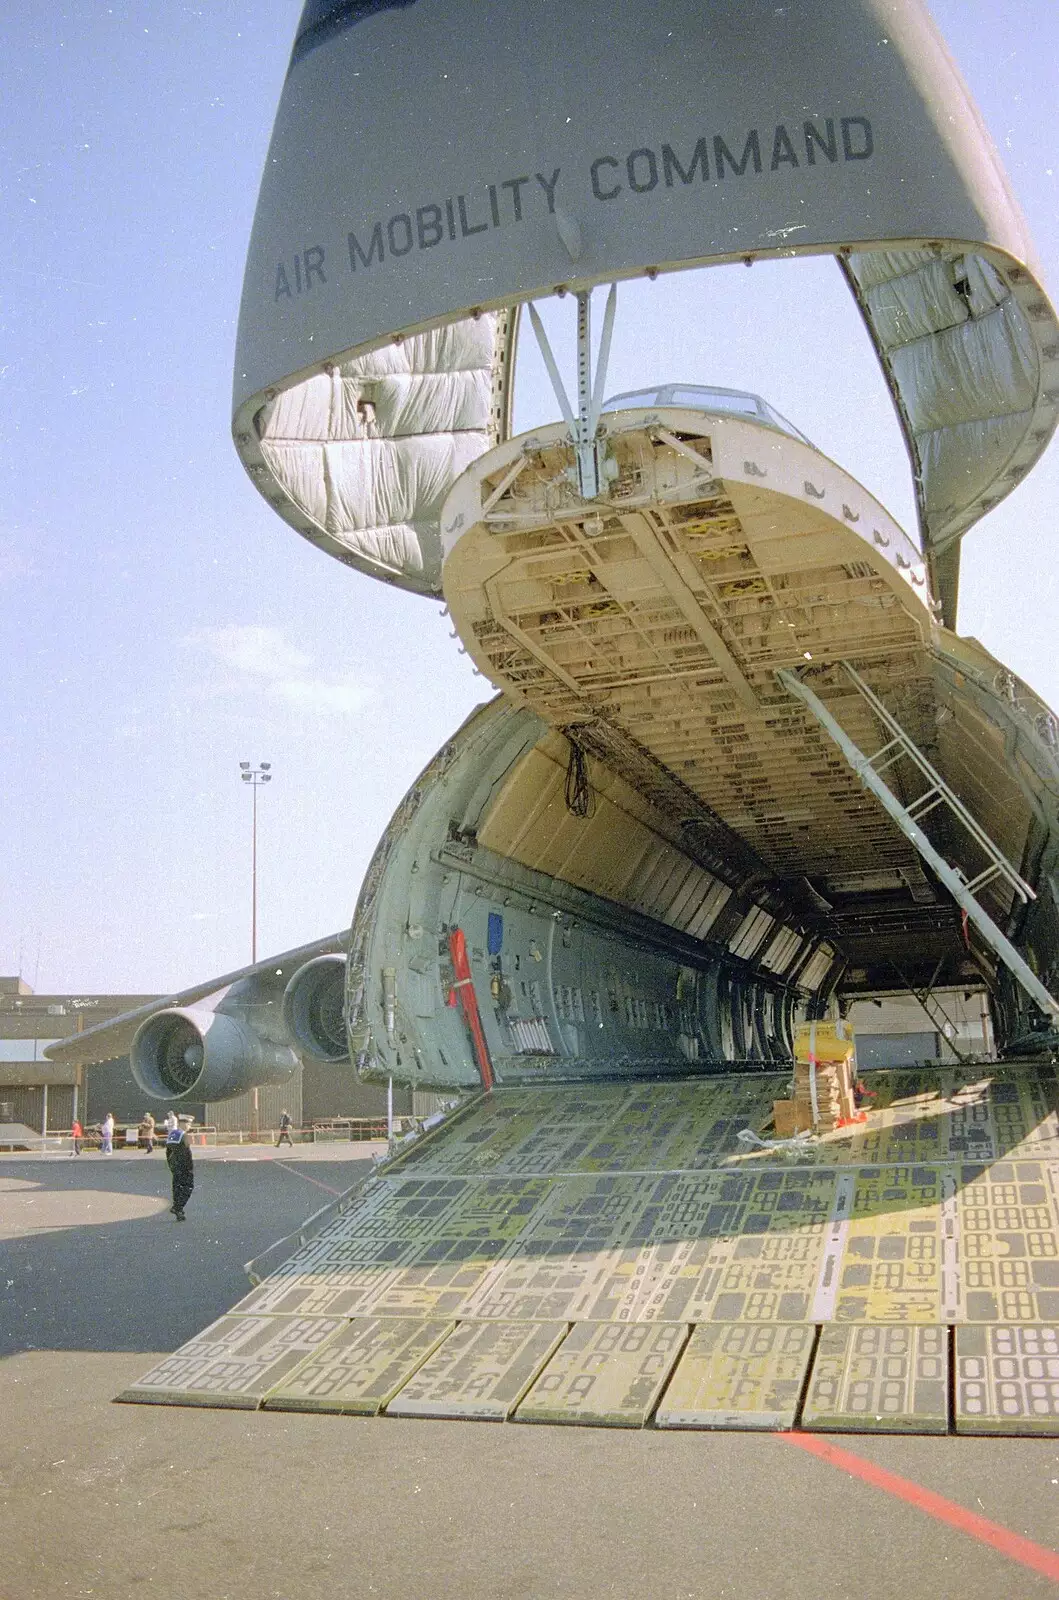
{"points": [[635, 1254]]}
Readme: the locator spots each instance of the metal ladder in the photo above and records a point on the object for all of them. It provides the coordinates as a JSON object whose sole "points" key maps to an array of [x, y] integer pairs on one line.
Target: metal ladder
{"points": [[962, 891], [936, 794], [934, 1009]]}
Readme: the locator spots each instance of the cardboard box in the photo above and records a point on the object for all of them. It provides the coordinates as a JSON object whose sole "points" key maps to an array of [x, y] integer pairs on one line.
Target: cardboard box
{"points": [[790, 1117]]}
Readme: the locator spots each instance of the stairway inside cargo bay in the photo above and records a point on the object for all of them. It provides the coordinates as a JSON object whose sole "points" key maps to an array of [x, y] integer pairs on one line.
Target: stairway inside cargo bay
{"points": [[635, 1255]]}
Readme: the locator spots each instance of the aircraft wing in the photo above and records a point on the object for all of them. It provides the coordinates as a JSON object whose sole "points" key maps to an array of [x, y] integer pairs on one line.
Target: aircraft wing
{"points": [[263, 984]]}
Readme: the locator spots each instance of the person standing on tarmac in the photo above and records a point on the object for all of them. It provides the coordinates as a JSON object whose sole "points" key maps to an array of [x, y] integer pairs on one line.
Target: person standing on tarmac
{"points": [[106, 1135], [284, 1130], [147, 1132], [77, 1133], [181, 1167]]}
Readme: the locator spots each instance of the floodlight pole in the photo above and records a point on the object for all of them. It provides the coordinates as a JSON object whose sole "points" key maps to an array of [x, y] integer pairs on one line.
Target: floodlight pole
{"points": [[253, 881], [254, 776]]}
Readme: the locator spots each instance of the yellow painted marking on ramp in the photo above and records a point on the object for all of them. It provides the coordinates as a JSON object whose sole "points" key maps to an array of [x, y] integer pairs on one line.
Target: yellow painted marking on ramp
{"points": [[885, 1379], [739, 1377], [361, 1368], [233, 1362], [482, 1371], [608, 1374]]}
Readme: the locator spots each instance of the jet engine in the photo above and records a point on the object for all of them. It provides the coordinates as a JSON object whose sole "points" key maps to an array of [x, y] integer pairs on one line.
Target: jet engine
{"points": [[313, 1011], [180, 1053]]}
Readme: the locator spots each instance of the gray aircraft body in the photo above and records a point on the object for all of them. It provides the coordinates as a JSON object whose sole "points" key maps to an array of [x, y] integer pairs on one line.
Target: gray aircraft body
{"points": [[742, 766]]}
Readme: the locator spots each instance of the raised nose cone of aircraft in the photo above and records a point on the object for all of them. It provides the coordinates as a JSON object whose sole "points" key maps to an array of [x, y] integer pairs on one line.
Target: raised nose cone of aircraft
{"points": [[385, 273]]}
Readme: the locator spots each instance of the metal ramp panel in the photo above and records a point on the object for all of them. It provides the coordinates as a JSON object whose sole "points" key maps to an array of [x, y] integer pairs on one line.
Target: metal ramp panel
{"points": [[487, 1275]]}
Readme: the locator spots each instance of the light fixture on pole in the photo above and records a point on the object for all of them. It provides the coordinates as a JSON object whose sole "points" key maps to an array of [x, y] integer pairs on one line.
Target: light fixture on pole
{"points": [[254, 776]]}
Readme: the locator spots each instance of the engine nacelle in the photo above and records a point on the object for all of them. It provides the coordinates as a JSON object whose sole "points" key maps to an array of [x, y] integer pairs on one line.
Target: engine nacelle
{"points": [[177, 1054], [314, 1011]]}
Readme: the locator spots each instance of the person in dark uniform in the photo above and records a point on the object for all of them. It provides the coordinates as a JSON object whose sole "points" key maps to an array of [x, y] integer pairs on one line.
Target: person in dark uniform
{"points": [[182, 1168], [284, 1130]]}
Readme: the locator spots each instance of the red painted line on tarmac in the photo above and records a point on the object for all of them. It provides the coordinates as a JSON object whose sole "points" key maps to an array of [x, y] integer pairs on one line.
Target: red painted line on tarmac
{"points": [[306, 1176], [1009, 1544]]}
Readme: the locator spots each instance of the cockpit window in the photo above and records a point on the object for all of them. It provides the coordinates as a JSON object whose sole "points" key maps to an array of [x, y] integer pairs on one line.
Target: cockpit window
{"points": [[734, 402], [746, 404]]}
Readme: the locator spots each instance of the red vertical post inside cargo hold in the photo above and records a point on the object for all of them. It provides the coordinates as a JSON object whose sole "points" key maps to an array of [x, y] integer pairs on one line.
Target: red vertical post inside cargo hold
{"points": [[468, 1001]]}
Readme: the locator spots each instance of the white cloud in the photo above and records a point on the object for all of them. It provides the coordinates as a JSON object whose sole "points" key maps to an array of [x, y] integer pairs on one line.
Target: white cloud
{"points": [[256, 651], [262, 658], [326, 696]]}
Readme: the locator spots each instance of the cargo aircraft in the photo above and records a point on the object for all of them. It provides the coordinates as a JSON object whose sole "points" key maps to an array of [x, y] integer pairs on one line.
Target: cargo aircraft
{"points": [[742, 768]]}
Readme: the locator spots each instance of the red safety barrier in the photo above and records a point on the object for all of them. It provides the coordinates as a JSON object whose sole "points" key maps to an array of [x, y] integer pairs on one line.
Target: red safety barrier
{"points": [[463, 995]]}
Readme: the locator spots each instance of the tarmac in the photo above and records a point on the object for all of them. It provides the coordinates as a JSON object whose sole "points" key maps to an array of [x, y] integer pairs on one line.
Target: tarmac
{"points": [[97, 1281]]}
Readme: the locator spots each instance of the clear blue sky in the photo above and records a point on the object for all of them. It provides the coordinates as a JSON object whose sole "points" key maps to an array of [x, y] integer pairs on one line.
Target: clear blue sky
{"points": [[159, 624]]}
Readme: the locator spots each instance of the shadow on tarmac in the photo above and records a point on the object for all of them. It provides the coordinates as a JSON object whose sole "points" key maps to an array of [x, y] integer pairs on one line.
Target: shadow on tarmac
{"points": [[84, 1274]]}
